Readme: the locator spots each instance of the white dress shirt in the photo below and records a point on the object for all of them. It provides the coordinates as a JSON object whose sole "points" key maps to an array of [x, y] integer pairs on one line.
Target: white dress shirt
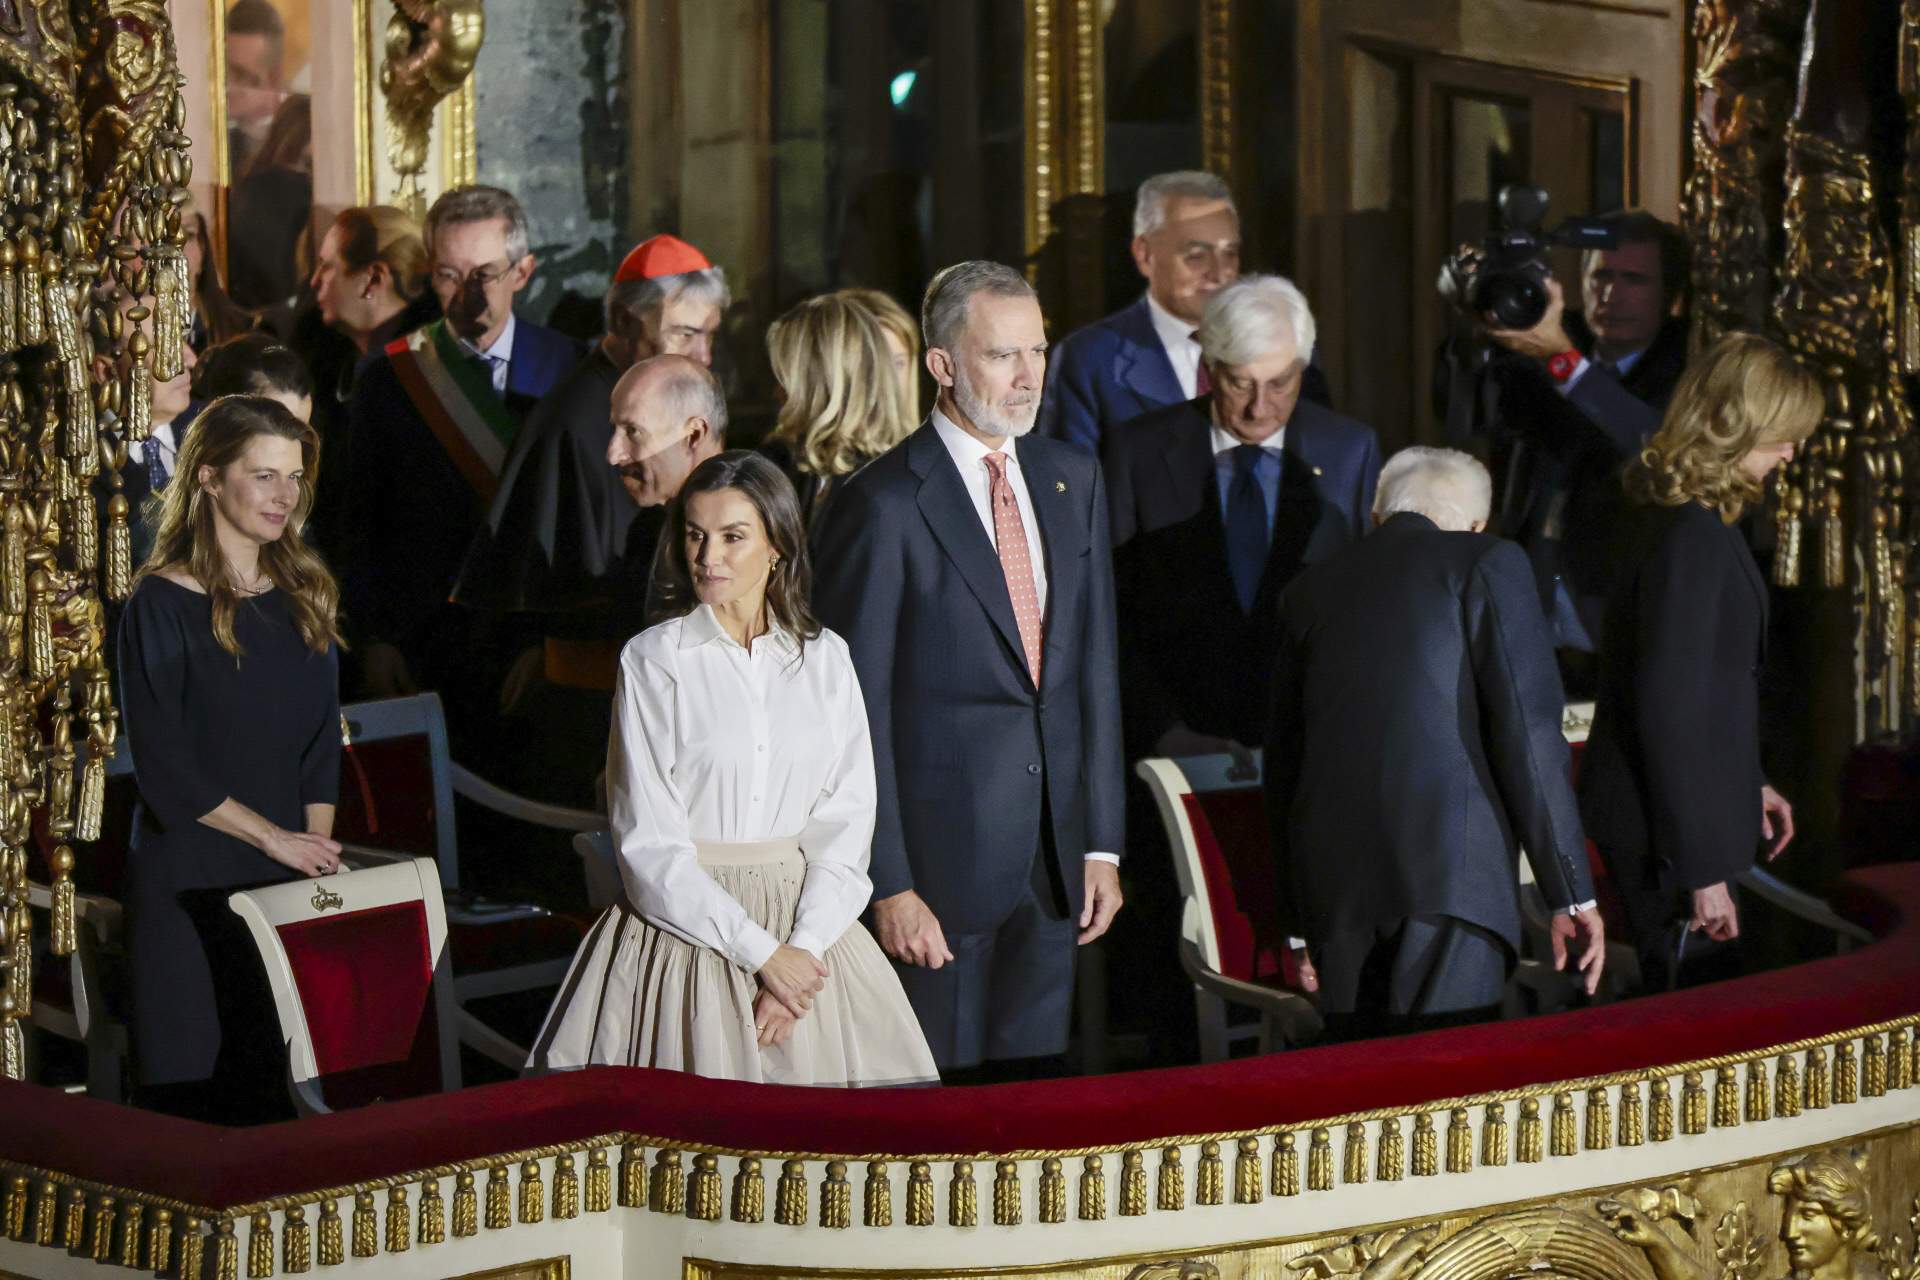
{"points": [[970, 455], [498, 356], [717, 744], [1176, 335], [1621, 367]]}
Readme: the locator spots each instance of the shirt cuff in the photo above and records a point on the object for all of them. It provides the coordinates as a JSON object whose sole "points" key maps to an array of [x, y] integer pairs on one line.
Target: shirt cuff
{"points": [[1296, 944], [1573, 379], [1580, 908], [809, 943], [1112, 859], [754, 947]]}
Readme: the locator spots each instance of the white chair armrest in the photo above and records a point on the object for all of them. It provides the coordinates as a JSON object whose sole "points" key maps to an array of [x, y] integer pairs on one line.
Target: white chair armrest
{"points": [[1293, 1012], [477, 789]]}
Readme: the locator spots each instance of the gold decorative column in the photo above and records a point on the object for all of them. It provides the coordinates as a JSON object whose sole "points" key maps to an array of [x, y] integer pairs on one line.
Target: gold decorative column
{"points": [[1216, 87]]}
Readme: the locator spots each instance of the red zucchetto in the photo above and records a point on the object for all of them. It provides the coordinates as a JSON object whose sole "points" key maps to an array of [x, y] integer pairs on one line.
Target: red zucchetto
{"points": [[659, 256]]}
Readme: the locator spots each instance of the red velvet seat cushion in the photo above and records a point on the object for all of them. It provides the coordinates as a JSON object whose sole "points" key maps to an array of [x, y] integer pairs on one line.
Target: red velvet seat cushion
{"points": [[386, 796], [364, 978], [1230, 833]]}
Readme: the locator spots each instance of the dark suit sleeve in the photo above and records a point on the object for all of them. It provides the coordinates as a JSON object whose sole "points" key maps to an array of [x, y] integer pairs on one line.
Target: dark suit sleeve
{"points": [[1624, 418], [1069, 410], [1521, 703], [1104, 758], [860, 585], [1682, 586], [1284, 751]]}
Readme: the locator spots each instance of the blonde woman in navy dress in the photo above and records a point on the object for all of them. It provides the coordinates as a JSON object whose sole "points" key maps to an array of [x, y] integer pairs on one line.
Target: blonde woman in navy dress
{"points": [[741, 800]]}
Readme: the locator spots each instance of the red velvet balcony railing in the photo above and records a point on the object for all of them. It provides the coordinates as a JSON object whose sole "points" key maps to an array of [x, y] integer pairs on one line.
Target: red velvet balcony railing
{"points": [[115, 1145]]}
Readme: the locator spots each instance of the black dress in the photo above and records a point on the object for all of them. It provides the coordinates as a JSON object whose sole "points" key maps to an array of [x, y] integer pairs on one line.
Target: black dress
{"points": [[263, 729]]}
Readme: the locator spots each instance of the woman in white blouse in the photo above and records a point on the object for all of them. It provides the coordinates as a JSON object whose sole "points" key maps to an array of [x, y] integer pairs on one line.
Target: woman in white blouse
{"points": [[741, 799]]}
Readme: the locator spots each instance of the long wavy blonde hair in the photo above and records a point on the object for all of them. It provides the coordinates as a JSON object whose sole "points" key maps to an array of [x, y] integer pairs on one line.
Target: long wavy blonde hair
{"points": [[185, 540], [1740, 394], [844, 403]]}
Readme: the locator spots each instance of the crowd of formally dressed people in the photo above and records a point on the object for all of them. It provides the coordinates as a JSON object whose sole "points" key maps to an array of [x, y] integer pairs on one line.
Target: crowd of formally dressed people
{"points": [[891, 668]]}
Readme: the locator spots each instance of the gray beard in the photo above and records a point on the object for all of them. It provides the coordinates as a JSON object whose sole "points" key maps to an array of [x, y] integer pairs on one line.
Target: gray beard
{"points": [[983, 416]]}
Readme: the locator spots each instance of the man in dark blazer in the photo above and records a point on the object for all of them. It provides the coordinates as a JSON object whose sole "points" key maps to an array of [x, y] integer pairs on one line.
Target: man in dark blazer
{"points": [[1186, 244], [1415, 749], [433, 419], [969, 570], [1216, 504]]}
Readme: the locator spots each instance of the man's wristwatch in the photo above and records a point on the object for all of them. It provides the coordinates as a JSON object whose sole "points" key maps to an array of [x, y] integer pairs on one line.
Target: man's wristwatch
{"points": [[1561, 367]]}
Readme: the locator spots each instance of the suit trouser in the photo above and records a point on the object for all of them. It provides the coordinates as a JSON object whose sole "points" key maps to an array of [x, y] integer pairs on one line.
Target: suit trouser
{"points": [[1410, 975], [1008, 992]]}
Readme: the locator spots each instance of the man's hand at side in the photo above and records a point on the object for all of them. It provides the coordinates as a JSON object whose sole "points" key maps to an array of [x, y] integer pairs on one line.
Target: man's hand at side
{"points": [[909, 931], [1593, 956], [1103, 899]]}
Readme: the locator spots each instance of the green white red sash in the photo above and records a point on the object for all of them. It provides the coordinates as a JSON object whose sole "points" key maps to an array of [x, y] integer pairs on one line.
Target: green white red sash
{"points": [[455, 397]]}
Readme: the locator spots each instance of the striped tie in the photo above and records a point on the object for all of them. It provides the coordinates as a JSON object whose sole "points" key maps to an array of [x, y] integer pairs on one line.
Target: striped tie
{"points": [[1016, 560]]}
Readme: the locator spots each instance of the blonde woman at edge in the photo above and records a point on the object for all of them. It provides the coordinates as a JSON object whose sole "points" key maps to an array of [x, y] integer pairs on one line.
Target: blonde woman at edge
{"points": [[843, 401], [741, 797]]}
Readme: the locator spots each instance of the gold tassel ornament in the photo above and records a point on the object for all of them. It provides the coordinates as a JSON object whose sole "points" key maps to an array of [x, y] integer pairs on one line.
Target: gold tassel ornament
{"points": [[1426, 1147], [1006, 1194], [13, 560], [1726, 1098], [1249, 1184], [1171, 1192], [433, 1212], [1393, 1151], [667, 1188], [46, 1210], [1459, 1141], [1529, 1140], [366, 1226], [790, 1195], [633, 1176], [260, 1247], [296, 1243], [1846, 1076], [1660, 1119], [1354, 1155], [1693, 1105], [533, 1196], [1210, 1185], [9, 297], [466, 1205], [104, 1214], [877, 1199], [1873, 1068], [331, 1249], [749, 1192], [1093, 1189], [499, 1198], [1286, 1166], [566, 1190], [118, 570], [17, 1207], [40, 661], [1789, 519], [1633, 1122], [919, 1194], [77, 436], [1320, 1162], [399, 1221], [1133, 1184], [1493, 1136], [599, 1192], [226, 1252], [193, 1247], [61, 939], [73, 1229], [32, 304], [1053, 1190], [1899, 1063], [160, 1241], [132, 1231], [963, 1196], [703, 1189], [836, 1198], [172, 306], [1564, 1141]]}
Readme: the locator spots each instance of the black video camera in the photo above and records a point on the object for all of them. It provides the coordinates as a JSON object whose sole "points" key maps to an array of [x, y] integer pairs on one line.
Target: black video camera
{"points": [[1504, 282]]}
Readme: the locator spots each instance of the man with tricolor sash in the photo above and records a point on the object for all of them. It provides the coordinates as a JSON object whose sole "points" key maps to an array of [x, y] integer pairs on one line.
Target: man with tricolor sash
{"points": [[434, 418]]}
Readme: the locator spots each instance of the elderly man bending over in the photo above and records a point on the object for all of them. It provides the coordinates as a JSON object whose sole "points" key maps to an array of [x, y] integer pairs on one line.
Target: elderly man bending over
{"points": [[1414, 747]]}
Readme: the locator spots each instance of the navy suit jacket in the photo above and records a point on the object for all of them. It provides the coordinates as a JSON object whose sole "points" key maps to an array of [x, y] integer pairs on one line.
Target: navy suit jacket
{"points": [[971, 759], [413, 514], [1188, 652], [1416, 744], [1114, 370]]}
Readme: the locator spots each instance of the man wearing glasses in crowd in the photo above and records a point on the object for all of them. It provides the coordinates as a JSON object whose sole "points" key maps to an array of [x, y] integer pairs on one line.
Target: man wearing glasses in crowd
{"points": [[433, 419]]}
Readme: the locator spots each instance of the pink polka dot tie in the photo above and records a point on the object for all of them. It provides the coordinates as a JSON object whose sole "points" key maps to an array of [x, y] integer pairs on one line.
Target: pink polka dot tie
{"points": [[1016, 560]]}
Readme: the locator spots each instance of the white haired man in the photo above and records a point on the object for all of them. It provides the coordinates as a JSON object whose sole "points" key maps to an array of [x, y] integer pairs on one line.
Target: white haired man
{"points": [[1216, 504], [1414, 750], [1186, 244], [434, 417]]}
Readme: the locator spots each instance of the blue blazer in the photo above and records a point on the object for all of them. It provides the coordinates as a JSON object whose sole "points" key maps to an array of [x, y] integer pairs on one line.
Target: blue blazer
{"points": [[970, 758], [1100, 376]]}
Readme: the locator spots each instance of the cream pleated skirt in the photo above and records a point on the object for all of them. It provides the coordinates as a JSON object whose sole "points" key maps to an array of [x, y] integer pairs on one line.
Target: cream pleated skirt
{"points": [[637, 996]]}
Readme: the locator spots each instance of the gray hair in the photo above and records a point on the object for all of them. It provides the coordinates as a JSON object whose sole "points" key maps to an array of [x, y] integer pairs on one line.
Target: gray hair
{"points": [[1246, 320], [943, 313], [643, 297], [460, 205], [688, 389], [1150, 206], [1449, 487]]}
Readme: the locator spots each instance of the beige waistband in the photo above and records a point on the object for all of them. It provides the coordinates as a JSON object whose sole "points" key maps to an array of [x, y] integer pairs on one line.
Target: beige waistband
{"points": [[716, 854]]}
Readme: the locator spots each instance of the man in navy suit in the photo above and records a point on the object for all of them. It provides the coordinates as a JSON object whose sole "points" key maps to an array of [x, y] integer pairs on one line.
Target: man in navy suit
{"points": [[969, 570], [1186, 243], [433, 419], [1217, 503]]}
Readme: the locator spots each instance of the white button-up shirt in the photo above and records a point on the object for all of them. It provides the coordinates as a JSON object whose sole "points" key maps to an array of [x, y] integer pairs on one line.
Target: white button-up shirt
{"points": [[498, 356], [714, 743], [1176, 335]]}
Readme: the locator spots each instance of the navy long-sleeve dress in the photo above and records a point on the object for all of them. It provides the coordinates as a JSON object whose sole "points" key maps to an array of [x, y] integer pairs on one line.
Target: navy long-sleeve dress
{"points": [[263, 729]]}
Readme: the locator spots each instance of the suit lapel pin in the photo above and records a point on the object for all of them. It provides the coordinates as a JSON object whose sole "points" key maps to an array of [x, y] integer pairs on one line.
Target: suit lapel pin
{"points": [[1059, 486], [1318, 472]]}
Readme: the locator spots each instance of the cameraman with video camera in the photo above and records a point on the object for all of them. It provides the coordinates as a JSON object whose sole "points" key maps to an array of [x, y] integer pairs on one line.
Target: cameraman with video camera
{"points": [[1560, 400]]}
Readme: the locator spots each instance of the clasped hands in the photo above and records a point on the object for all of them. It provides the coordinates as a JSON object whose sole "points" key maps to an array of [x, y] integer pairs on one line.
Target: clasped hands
{"points": [[789, 981]]}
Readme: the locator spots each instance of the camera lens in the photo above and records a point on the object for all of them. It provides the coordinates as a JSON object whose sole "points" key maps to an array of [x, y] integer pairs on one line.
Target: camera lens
{"points": [[1510, 299]]}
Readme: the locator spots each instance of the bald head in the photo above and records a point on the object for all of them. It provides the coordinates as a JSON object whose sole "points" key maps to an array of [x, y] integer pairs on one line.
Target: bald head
{"points": [[668, 417]]}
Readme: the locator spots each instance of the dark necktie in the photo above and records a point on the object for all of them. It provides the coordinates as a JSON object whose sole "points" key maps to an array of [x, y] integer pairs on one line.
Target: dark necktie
{"points": [[1246, 525], [1202, 384], [487, 364], [156, 469]]}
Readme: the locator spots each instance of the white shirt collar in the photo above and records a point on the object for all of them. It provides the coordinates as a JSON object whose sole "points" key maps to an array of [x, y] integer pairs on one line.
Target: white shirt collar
{"points": [[1223, 440], [502, 349], [968, 449], [1175, 333], [701, 627], [1625, 363]]}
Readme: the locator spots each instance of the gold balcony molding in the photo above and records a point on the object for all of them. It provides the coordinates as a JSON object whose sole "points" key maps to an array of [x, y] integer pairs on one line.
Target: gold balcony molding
{"points": [[1452, 1138]]}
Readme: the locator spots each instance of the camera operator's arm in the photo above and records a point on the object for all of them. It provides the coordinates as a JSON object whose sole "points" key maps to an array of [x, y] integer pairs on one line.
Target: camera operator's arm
{"points": [[1625, 418]]}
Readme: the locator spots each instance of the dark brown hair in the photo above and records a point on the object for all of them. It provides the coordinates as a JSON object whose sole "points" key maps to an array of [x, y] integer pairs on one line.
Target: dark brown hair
{"points": [[186, 541], [252, 364], [772, 496]]}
